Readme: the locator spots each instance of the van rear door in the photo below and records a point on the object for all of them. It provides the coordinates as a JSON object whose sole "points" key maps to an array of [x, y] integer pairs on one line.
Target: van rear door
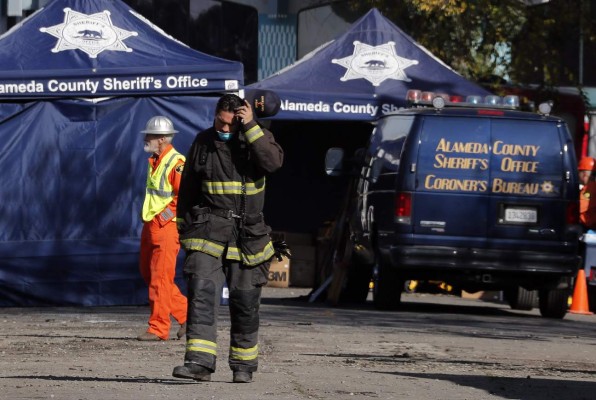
{"points": [[527, 182], [452, 180]]}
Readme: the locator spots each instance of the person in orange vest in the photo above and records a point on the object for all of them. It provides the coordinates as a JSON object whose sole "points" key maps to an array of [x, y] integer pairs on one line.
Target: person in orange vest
{"points": [[159, 238], [587, 193]]}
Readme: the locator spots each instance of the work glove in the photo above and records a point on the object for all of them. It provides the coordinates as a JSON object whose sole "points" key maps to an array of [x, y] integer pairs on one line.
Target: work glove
{"points": [[281, 249], [182, 225]]}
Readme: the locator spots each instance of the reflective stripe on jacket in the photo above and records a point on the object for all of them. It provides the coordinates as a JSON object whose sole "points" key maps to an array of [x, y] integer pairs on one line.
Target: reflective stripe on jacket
{"points": [[159, 191], [228, 177]]}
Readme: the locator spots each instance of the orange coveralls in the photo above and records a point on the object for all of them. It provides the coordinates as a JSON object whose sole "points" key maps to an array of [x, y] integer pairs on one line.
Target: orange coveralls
{"points": [[159, 249], [587, 205]]}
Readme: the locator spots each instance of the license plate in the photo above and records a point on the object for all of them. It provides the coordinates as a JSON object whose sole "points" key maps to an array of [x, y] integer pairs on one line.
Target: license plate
{"points": [[525, 215]]}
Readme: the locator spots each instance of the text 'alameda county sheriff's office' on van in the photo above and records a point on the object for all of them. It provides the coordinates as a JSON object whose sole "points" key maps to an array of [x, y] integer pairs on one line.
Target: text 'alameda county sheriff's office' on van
{"points": [[92, 86]]}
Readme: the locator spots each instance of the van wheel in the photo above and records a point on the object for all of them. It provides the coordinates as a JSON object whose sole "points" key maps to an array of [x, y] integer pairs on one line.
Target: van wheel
{"points": [[520, 298], [554, 303], [387, 288], [357, 283]]}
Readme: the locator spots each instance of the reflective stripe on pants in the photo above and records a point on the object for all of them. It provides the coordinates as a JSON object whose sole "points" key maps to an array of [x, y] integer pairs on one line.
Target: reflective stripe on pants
{"points": [[205, 276]]}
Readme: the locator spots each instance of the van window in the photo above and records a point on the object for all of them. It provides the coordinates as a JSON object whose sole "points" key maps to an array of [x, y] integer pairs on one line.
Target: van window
{"points": [[391, 128], [387, 157], [387, 142]]}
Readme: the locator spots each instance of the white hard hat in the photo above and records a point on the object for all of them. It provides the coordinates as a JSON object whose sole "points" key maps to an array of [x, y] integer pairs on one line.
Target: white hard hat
{"points": [[159, 125]]}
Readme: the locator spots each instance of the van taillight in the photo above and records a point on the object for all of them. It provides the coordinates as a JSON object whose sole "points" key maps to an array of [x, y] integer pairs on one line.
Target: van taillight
{"points": [[572, 213], [403, 208]]}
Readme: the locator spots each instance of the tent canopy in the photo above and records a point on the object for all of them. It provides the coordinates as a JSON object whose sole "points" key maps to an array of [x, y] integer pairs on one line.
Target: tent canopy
{"points": [[82, 48], [73, 166], [362, 75]]}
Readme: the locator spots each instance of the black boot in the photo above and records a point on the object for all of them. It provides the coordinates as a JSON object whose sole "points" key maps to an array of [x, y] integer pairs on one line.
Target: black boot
{"points": [[242, 377], [192, 371]]}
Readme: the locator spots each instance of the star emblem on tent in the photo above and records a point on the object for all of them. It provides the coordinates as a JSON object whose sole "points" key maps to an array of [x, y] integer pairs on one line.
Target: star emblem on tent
{"points": [[91, 34], [375, 63]]}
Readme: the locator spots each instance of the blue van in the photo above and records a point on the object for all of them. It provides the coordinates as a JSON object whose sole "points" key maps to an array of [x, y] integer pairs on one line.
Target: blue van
{"points": [[480, 197]]}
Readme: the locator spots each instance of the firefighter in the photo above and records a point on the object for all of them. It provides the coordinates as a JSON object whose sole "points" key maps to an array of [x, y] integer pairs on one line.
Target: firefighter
{"points": [[587, 194], [159, 237], [224, 235]]}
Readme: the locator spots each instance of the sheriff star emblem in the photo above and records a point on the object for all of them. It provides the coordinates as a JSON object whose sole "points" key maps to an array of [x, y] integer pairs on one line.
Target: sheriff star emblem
{"points": [[547, 187], [375, 63], [89, 33]]}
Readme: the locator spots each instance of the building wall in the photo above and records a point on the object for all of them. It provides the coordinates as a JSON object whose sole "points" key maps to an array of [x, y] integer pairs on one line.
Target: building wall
{"points": [[277, 42]]}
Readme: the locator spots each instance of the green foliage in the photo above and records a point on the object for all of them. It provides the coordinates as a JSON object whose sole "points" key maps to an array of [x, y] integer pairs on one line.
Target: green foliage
{"points": [[548, 45]]}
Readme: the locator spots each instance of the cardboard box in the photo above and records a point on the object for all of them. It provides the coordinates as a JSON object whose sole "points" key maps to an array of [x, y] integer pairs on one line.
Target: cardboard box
{"points": [[302, 273], [279, 273], [301, 269]]}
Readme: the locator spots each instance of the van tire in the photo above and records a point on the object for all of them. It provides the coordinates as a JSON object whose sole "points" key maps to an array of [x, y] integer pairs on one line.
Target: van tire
{"points": [[387, 288], [521, 299], [554, 303]]}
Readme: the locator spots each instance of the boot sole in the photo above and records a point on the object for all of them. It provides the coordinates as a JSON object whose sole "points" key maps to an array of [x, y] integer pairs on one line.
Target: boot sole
{"points": [[196, 377]]}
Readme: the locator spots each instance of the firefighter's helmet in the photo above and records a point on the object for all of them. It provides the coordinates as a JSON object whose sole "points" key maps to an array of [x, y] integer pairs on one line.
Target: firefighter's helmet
{"points": [[586, 164], [159, 125]]}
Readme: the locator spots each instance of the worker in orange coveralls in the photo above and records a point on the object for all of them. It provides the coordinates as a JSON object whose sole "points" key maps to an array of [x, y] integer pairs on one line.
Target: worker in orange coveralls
{"points": [[159, 238], [587, 193]]}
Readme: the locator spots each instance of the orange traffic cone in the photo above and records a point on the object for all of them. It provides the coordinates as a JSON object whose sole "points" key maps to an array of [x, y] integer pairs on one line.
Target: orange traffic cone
{"points": [[579, 303]]}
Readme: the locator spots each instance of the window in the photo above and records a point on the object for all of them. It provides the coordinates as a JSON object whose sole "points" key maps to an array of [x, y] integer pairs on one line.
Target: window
{"points": [[319, 25], [218, 28]]}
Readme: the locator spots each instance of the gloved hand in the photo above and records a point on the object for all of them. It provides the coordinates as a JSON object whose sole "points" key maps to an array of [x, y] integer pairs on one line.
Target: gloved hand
{"points": [[281, 249], [181, 225]]}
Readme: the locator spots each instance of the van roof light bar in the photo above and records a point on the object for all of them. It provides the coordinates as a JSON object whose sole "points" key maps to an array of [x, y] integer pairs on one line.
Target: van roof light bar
{"points": [[545, 108], [428, 98]]}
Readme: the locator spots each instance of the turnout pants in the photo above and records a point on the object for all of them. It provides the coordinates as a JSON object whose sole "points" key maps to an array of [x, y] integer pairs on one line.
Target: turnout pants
{"points": [[205, 276], [159, 249]]}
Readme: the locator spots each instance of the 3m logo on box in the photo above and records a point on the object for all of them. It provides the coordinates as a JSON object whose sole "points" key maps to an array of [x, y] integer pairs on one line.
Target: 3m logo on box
{"points": [[278, 276], [279, 273]]}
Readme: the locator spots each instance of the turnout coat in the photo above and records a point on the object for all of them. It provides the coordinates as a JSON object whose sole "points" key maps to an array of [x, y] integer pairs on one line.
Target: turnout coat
{"points": [[222, 193]]}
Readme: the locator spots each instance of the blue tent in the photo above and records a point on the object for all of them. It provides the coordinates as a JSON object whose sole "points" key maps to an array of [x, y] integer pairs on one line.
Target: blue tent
{"points": [[78, 81], [361, 75], [81, 48]]}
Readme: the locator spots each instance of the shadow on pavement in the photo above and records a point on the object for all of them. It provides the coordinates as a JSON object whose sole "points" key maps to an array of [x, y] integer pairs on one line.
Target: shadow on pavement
{"points": [[451, 316], [516, 388]]}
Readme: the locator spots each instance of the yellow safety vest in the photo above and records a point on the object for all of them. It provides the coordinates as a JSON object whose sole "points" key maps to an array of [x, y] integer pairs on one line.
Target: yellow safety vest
{"points": [[159, 192]]}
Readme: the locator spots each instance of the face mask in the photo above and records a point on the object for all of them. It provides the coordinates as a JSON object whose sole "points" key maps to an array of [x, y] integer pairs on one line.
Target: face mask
{"points": [[150, 147], [225, 136]]}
